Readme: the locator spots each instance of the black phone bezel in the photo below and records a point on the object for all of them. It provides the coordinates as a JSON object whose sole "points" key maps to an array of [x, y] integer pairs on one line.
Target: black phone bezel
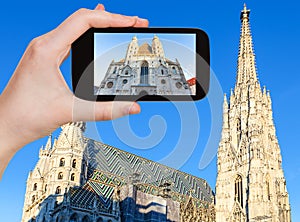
{"points": [[83, 56]]}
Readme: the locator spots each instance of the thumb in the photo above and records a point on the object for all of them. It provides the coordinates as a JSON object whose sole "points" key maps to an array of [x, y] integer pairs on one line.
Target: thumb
{"points": [[97, 111]]}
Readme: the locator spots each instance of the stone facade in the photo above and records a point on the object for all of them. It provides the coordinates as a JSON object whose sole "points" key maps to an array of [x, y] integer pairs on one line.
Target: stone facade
{"points": [[250, 182], [144, 70]]}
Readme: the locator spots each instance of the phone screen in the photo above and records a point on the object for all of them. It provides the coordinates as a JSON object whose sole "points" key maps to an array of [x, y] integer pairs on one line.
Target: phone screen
{"points": [[144, 64]]}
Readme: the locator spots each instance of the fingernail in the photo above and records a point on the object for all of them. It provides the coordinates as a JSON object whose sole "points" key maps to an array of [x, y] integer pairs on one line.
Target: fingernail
{"points": [[134, 109], [100, 7], [143, 20]]}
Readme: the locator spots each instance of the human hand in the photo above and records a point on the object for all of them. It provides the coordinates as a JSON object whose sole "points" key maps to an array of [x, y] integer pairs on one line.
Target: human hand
{"points": [[37, 99]]}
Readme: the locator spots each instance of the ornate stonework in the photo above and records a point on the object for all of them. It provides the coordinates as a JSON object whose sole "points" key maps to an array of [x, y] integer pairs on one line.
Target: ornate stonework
{"points": [[250, 182]]}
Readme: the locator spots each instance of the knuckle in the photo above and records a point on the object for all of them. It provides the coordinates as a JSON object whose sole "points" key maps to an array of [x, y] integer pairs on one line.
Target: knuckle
{"points": [[38, 46], [82, 12]]}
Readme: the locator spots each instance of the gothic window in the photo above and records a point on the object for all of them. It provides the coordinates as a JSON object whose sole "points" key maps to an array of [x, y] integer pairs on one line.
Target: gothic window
{"points": [[72, 176], [115, 70], [268, 190], [62, 162], [33, 199], [74, 163], [58, 190], [74, 218], [238, 125], [144, 73], [86, 219], [35, 187], [238, 130], [45, 187], [238, 190], [60, 176], [174, 70], [162, 71]]}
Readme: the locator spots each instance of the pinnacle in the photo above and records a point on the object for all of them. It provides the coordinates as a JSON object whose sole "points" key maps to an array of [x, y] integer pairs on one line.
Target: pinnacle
{"points": [[245, 12], [245, 7]]}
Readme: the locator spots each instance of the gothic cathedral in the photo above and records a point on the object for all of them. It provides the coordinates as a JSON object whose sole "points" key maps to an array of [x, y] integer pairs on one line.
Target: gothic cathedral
{"points": [[250, 182]]}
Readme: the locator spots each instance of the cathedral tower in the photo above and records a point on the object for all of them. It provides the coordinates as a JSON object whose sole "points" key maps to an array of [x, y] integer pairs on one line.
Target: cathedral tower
{"points": [[132, 49], [157, 47], [250, 182], [61, 165]]}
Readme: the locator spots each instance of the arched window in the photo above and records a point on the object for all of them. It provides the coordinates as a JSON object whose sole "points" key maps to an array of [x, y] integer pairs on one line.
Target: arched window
{"points": [[174, 70], [268, 190], [144, 73], [62, 162], [115, 70], [35, 187], [238, 125], [162, 71], [74, 218], [45, 187], [33, 199], [99, 219], [60, 176], [74, 163], [86, 219], [238, 130], [72, 176], [126, 72], [238, 190], [58, 190]]}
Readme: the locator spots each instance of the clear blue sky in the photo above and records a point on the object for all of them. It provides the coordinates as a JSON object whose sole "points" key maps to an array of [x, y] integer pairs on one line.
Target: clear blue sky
{"points": [[276, 33]]}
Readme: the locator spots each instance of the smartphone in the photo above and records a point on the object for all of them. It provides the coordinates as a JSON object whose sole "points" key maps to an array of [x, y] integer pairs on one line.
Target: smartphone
{"points": [[141, 64]]}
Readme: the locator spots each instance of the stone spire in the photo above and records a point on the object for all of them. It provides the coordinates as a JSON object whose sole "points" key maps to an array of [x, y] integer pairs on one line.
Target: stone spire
{"points": [[49, 143], [250, 182], [246, 71], [72, 134]]}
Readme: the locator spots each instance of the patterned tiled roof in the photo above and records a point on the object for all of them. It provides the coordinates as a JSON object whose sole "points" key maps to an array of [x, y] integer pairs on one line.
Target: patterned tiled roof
{"points": [[115, 166]]}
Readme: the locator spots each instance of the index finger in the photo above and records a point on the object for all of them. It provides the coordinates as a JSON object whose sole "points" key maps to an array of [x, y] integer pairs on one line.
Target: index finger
{"points": [[83, 19]]}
